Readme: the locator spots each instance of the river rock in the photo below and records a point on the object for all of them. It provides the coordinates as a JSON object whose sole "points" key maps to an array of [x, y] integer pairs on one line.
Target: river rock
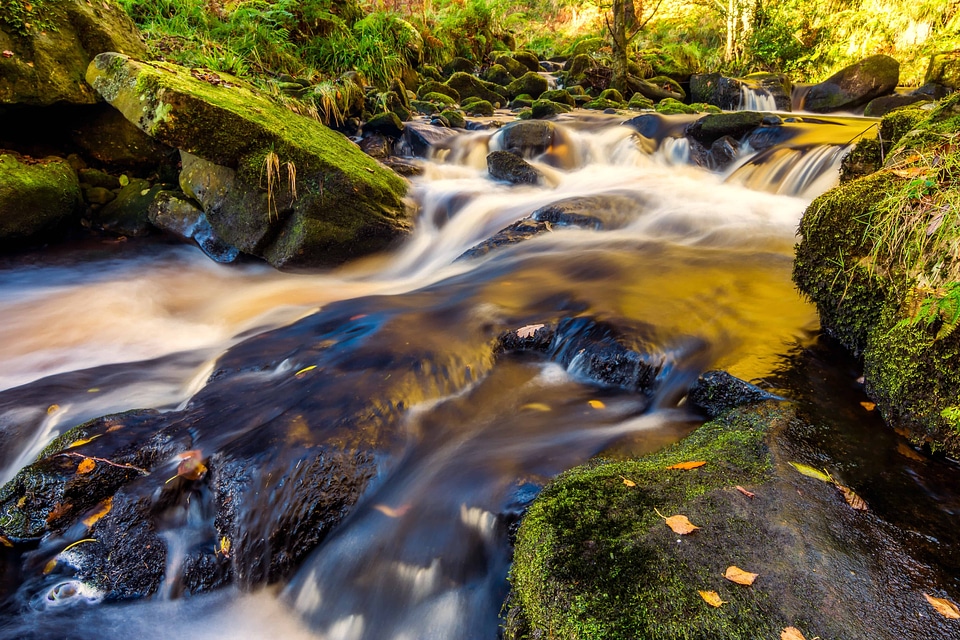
{"points": [[528, 138], [387, 124], [854, 86], [530, 83], [498, 74], [419, 138], [504, 165], [714, 126], [593, 551], [459, 65], [173, 212], [468, 86], [126, 215], [716, 392], [944, 70], [50, 60], [105, 135], [35, 195], [433, 86], [303, 195], [528, 59], [715, 89], [879, 107], [514, 67]]}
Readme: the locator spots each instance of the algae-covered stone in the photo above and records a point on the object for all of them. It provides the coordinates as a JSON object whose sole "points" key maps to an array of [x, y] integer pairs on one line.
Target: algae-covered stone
{"points": [[547, 109], [49, 65], [512, 66], [467, 86], [640, 102], [479, 108], [498, 74], [35, 195], [944, 69], [325, 200], [530, 83], [594, 557], [669, 106], [528, 59], [855, 85], [558, 95], [454, 118], [600, 104], [431, 87], [127, 214], [712, 127]]}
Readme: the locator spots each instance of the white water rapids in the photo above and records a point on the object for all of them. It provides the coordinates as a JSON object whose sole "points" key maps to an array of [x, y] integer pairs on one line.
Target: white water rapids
{"points": [[424, 555]]}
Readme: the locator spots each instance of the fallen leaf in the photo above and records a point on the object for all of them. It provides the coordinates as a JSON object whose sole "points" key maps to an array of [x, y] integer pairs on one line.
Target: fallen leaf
{"points": [[52, 409], [692, 464], [83, 441], [7, 53], [390, 512], [679, 524], [791, 633], [943, 606], [528, 331], [869, 406], [86, 466], [810, 472], [59, 510], [738, 575], [5, 542], [911, 172], [94, 390], [712, 598], [535, 406], [596, 404], [104, 509], [749, 494], [855, 501], [191, 465], [50, 566], [304, 370], [224, 547], [628, 482], [909, 452]]}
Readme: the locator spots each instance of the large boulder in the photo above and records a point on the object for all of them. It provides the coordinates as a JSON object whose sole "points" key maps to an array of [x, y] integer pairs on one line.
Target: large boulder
{"points": [[854, 86], [468, 86], [49, 59], [35, 195], [511, 168], [301, 194], [530, 83]]}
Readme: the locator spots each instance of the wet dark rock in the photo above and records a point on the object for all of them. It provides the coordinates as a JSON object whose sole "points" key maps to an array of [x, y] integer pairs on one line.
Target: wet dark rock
{"points": [[716, 392], [854, 86], [97, 178], [375, 145], [932, 90], [776, 85], [386, 124], [721, 153], [403, 167], [99, 195], [529, 138], [504, 165], [541, 109], [517, 232], [530, 83], [715, 89], [600, 212], [105, 135], [879, 107], [468, 86], [459, 65], [127, 214], [714, 126], [419, 138]]}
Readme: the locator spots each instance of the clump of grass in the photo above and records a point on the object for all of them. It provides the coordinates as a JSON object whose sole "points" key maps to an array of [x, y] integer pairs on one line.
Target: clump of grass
{"points": [[29, 16]]}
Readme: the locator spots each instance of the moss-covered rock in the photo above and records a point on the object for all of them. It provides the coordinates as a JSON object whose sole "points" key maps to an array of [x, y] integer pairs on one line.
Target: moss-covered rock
{"points": [[455, 118], [387, 123], [326, 201], [855, 85], [640, 102], [530, 83], [595, 559], [481, 108], [547, 109], [438, 87], [611, 94], [127, 214], [577, 66], [600, 104], [498, 74], [668, 84], [670, 106], [35, 195], [528, 59], [510, 167], [48, 65], [468, 86], [559, 95], [459, 65], [440, 99], [712, 127], [507, 61], [944, 69]]}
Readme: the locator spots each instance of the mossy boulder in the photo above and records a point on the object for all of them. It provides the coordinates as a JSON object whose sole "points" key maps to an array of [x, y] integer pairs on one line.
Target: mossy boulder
{"points": [[528, 59], [612, 95], [438, 87], [871, 259], [386, 123], [530, 83], [595, 559], [498, 74], [577, 66], [510, 167], [879, 107], [600, 104], [559, 95], [944, 69], [440, 99], [640, 102], [481, 108], [715, 89], [35, 195], [513, 67], [127, 214], [459, 65], [712, 127], [49, 64], [547, 109], [327, 201], [454, 118], [670, 106], [855, 85], [668, 84], [468, 86]]}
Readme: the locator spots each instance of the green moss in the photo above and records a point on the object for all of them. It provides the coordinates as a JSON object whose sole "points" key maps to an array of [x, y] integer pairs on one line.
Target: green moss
{"points": [[480, 108], [671, 106], [599, 104], [455, 118], [547, 108], [559, 95], [439, 98], [595, 560], [611, 94], [35, 195]]}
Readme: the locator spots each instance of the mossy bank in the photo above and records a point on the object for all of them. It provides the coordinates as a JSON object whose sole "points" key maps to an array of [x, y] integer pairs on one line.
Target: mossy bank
{"points": [[880, 257]]}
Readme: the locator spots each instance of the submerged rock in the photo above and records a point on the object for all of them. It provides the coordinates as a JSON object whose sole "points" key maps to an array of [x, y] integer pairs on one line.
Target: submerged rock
{"points": [[35, 195], [854, 86], [594, 552], [504, 165], [302, 195]]}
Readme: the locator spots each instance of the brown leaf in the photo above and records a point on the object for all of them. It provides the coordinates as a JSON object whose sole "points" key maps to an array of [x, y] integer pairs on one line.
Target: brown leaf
{"points": [[749, 494], [910, 172], [909, 452], [869, 406], [86, 466], [52, 409], [528, 331], [738, 575], [791, 633], [191, 465], [712, 598], [692, 464], [855, 501], [5, 542], [628, 482], [943, 606], [59, 510], [104, 509], [7, 53]]}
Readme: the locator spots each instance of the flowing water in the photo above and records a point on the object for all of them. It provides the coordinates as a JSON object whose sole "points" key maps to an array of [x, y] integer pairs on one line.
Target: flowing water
{"points": [[696, 268]]}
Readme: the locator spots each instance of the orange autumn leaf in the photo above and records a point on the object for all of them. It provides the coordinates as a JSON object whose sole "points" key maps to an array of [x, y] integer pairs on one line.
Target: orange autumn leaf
{"points": [[191, 465], [738, 575], [869, 406], [692, 464], [909, 452], [528, 331], [596, 404], [679, 524], [712, 598], [5, 542], [59, 510], [82, 441], [390, 512], [104, 509], [791, 633], [943, 606], [86, 466]]}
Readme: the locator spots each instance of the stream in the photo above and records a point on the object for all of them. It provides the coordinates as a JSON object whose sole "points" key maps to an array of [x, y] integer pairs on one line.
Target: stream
{"points": [[695, 267]]}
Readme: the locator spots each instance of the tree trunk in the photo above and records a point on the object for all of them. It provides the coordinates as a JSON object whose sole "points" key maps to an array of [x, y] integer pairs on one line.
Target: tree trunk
{"points": [[624, 17], [731, 27]]}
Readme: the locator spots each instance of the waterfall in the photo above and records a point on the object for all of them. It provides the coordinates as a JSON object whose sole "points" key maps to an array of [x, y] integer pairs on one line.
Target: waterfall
{"points": [[752, 99]]}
